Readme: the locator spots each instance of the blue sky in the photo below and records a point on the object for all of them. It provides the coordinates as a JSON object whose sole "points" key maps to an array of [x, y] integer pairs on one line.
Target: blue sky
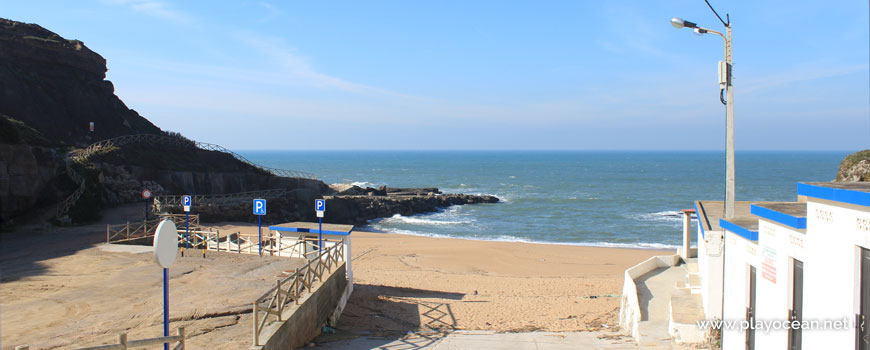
{"points": [[480, 75]]}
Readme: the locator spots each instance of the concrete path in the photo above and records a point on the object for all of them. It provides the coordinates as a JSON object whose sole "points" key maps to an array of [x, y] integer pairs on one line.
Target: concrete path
{"points": [[491, 340], [654, 293]]}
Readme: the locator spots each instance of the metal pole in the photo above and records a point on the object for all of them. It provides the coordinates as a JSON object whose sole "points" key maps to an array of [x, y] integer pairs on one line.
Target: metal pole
{"points": [[187, 229], [320, 234], [146, 210], [729, 132], [165, 307], [260, 234]]}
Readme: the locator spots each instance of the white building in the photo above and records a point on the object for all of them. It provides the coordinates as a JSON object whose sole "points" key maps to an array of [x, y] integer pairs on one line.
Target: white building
{"points": [[788, 264]]}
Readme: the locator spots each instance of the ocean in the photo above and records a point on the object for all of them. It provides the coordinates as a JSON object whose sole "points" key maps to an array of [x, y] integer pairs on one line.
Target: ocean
{"points": [[596, 198]]}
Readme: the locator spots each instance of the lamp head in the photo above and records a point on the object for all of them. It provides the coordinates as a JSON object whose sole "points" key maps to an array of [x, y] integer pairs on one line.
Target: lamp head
{"points": [[678, 23]]}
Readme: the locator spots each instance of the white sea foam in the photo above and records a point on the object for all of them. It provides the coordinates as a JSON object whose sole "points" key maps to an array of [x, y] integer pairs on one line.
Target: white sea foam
{"points": [[449, 216], [362, 184], [668, 216], [505, 238]]}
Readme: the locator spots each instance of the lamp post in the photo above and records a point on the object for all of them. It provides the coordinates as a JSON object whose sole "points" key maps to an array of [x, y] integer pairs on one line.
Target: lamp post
{"points": [[728, 88]]}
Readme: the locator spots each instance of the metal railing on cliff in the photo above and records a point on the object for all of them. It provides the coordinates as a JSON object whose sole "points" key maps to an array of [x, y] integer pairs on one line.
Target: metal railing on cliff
{"points": [[165, 140], [162, 202]]}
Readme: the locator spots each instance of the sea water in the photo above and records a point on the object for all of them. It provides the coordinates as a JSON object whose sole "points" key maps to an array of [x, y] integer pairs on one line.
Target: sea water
{"points": [[599, 198]]}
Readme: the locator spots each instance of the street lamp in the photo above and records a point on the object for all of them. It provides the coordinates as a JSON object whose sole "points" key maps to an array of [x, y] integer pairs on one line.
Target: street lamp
{"points": [[725, 86]]}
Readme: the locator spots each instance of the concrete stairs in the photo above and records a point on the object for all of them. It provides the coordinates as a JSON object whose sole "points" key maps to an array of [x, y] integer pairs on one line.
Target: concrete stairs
{"points": [[685, 308]]}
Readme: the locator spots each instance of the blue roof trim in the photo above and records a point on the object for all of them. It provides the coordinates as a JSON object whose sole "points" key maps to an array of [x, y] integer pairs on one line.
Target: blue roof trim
{"points": [[305, 230], [697, 215], [775, 216], [750, 235], [834, 194]]}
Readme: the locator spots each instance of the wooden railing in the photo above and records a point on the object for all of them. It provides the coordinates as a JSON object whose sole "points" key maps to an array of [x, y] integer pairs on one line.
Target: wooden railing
{"points": [[141, 229], [124, 344], [165, 140], [292, 288]]}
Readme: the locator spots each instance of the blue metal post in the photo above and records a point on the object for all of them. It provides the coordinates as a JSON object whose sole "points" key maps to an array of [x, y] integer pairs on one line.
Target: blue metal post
{"points": [[320, 234], [260, 234], [187, 229], [165, 307]]}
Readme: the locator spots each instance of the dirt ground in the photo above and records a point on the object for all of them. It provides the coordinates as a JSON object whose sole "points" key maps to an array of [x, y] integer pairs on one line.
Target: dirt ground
{"points": [[64, 289]]}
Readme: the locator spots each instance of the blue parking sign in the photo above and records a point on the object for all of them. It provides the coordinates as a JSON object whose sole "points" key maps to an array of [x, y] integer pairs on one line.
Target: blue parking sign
{"points": [[259, 207], [186, 201], [320, 205]]}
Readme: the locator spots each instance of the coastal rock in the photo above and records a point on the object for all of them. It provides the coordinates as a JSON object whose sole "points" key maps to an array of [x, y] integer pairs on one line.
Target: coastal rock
{"points": [[27, 175], [855, 167], [342, 209], [58, 86]]}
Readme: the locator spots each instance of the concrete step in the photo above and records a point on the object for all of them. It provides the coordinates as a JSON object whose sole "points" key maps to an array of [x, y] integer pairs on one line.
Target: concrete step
{"points": [[692, 267], [685, 312]]}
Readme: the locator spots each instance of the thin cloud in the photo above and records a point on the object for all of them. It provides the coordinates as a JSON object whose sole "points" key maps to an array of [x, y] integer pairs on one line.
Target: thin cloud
{"points": [[801, 74], [156, 8], [275, 49]]}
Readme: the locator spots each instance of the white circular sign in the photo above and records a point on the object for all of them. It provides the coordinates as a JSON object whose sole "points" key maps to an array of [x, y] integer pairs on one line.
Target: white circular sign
{"points": [[165, 243], [146, 194]]}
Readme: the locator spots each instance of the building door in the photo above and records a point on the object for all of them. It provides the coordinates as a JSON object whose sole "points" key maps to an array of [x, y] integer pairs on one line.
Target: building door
{"points": [[750, 311], [862, 319], [797, 304]]}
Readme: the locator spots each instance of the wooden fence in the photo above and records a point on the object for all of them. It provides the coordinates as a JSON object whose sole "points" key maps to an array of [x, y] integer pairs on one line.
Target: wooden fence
{"points": [[145, 228], [124, 344], [292, 288]]}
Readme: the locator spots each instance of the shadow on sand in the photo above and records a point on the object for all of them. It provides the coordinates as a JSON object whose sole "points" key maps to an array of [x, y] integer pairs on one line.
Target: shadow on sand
{"points": [[382, 317]]}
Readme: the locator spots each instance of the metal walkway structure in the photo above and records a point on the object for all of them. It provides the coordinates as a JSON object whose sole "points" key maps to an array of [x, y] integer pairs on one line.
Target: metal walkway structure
{"points": [[172, 141]]}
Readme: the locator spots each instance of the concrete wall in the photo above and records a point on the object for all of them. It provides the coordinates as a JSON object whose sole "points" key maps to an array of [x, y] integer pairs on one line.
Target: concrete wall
{"points": [[739, 255], [629, 308], [710, 259], [779, 246], [835, 235], [306, 320]]}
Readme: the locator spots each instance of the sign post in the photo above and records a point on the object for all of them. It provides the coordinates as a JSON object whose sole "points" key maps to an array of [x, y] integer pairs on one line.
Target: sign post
{"points": [[187, 202], [165, 248], [146, 195], [320, 208], [259, 211]]}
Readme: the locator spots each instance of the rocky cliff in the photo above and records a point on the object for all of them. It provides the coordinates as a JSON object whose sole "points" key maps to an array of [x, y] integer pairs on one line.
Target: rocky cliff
{"points": [[855, 167], [57, 86], [51, 88]]}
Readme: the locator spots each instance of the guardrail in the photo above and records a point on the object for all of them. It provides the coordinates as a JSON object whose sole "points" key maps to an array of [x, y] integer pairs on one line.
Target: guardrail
{"points": [[292, 288], [174, 141], [162, 202], [140, 229], [65, 205]]}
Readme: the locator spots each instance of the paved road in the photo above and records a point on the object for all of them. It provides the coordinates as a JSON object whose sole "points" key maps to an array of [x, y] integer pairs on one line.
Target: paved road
{"points": [[488, 340]]}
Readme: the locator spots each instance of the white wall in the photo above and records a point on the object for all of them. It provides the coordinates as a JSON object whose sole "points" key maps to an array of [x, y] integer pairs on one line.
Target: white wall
{"points": [[832, 276], [710, 269], [779, 245], [739, 254]]}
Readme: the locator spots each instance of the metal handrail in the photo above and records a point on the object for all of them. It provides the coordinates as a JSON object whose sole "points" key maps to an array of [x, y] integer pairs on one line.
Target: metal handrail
{"points": [[85, 154]]}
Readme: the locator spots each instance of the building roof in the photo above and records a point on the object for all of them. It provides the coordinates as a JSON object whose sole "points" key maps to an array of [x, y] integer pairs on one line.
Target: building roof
{"points": [[710, 212], [746, 227], [329, 229], [792, 214], [846, 192]]}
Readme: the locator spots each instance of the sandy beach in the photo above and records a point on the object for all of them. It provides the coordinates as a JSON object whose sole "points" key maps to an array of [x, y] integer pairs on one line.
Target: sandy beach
{"points": [[79, 292], [407, 282]]}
